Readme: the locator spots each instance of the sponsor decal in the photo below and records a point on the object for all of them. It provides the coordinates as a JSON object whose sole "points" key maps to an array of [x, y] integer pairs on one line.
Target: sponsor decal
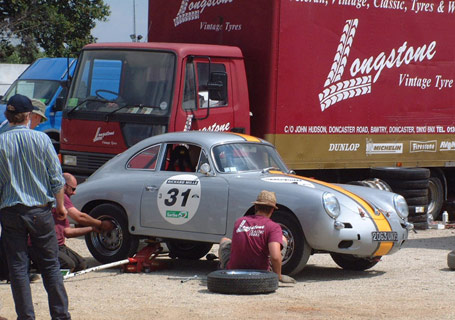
{"points": [[178, 198], [192, 10], [99, 136], [383, 148], [423, 146], [365, 73], [253, 231], [217, 127], [289, 180], [447, 146], [343, 147]]}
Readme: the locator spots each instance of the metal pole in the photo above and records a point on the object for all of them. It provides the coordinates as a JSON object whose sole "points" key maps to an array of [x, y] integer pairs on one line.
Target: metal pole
{"points": [[134, 21]]}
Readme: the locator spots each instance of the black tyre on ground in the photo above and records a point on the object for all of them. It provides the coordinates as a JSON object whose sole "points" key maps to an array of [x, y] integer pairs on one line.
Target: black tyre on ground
{"points": [[242, 281], [399, 173], [116, 244], [349, 262], [435, 197], [191, 250], [298, 250]]}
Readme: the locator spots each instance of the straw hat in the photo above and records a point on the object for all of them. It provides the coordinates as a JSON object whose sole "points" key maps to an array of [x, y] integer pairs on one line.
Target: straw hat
{"points": [[41, 111], [266, 198]]}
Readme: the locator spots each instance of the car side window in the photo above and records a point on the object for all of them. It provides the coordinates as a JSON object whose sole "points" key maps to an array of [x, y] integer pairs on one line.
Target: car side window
{"points": [[146, 159], [181, 157]]}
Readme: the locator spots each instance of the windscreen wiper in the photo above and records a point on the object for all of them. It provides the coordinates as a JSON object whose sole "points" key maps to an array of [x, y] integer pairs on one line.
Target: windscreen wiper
{"points": [[87, 100], [127, 106]]}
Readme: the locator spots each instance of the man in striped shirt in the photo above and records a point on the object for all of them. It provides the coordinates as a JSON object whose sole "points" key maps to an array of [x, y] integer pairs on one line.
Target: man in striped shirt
{"points": [[30, 181]]}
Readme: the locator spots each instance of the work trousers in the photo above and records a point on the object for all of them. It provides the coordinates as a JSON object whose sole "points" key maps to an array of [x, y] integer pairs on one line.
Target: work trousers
{"points": [[18, 223]]}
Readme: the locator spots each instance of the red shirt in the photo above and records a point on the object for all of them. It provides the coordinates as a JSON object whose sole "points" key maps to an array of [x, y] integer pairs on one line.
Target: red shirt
{"points": [[60, 225], [249, 249]]}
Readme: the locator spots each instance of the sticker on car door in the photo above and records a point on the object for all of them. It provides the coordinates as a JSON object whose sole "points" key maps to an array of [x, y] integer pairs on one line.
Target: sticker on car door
{"points": [[179, 197]]}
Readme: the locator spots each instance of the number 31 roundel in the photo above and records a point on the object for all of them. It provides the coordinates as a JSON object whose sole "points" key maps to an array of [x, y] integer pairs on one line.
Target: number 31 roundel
{"points": [[179, 197]]}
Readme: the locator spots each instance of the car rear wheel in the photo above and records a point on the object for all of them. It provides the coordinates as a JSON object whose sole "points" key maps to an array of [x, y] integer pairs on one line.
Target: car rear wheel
{"points": [[191, 250], [298, 251], [113, 245], [350, 262]]}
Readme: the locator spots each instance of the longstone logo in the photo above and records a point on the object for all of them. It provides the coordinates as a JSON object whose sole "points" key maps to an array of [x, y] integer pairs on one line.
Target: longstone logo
{"points": [[192, 10], [336, 90]]}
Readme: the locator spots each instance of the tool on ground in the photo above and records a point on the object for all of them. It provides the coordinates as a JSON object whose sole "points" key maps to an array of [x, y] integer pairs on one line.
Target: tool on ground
{"points": [[184, 279], [143, 261]]}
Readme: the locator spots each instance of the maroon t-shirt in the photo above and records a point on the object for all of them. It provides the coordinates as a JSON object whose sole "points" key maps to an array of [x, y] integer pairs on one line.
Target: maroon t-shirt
{"points": [[249, 249], [60, 225]]}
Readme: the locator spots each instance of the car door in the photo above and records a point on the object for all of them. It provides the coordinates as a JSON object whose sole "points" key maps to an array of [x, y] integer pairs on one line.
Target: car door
{"points": [[184, 200]]}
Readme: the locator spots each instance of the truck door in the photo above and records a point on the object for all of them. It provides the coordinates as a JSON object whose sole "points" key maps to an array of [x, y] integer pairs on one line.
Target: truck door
{"points": [[177, 197], [197, 111]]}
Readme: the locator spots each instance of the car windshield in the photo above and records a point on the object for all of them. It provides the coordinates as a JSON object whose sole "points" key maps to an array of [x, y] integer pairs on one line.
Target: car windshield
{"points": [[43, 90], [237, 157], [123, 81]]}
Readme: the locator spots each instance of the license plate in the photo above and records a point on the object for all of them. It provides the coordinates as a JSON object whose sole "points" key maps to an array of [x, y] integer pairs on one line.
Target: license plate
{"points": [[384, 236]]}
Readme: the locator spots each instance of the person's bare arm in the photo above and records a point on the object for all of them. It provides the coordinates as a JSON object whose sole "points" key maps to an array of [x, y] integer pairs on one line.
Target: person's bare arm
{"points": [[86, 220], [275, 257], [76, 232], [60, 206]]}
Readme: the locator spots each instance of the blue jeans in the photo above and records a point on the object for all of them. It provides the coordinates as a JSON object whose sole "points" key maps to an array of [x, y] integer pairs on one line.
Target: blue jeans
{"points": [[18, 223]]}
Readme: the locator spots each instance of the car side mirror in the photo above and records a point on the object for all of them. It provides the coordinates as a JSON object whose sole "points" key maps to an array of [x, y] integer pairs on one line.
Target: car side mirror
{"points": [[217, 86], [205, 169]]}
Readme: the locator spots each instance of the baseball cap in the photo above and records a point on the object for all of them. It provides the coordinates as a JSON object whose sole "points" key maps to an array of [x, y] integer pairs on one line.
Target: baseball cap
{"points": [[40, 108], [19, 104], [266, 198]]}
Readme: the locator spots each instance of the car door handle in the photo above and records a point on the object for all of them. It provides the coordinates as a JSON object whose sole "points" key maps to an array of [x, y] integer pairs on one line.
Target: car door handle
{"points": [[151, 188]]}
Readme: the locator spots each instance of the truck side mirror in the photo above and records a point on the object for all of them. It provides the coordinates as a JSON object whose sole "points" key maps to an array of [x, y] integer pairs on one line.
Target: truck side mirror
{"points": [[217, 86], [59, 102]]}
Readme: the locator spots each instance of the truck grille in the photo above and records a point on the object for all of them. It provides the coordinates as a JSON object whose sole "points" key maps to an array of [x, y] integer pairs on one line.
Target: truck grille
{"points": [[87, 163]]}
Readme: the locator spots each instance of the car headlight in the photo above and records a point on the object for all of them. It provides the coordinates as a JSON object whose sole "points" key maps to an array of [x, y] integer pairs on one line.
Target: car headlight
{"points": [[331, 204], [401, 207]]}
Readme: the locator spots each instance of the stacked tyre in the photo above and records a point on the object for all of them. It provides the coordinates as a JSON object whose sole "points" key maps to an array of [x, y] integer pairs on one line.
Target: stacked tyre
{"points": [[412, 184]]}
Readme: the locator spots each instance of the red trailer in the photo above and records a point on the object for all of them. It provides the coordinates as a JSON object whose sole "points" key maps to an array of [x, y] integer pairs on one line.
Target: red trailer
{"points": [[339, 86]]}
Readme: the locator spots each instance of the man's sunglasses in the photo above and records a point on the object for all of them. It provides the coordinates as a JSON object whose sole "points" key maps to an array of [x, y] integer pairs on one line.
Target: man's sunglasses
{"points": [[73, 189]]}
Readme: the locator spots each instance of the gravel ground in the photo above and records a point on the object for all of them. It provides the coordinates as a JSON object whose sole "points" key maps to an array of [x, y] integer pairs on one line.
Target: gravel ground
{"points": [[414, 283]]}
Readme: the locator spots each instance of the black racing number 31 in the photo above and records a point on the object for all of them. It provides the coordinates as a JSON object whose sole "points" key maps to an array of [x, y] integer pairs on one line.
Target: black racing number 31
{"points": [[173, 193]]}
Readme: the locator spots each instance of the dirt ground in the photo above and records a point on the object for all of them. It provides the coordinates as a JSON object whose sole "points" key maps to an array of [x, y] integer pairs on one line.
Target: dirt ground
{"points": [[414, 283]]}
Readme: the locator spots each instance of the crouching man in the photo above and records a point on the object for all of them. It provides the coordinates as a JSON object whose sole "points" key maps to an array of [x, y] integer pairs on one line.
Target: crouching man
{"points": [[257, 240]]}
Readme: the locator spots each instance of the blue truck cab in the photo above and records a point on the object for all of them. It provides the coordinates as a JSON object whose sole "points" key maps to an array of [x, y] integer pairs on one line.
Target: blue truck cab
{"points": [[42, 81]]}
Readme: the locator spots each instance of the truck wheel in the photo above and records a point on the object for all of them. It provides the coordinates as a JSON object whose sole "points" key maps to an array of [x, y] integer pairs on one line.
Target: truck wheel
{"points": [[116, 244], [350, 262], [298, 251], [435, 197], [191, 250], [242, 281]]}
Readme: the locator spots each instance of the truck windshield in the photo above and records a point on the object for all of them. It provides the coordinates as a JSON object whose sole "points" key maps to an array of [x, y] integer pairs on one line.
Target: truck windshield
{"points": [[117, 81], [43, 90]]}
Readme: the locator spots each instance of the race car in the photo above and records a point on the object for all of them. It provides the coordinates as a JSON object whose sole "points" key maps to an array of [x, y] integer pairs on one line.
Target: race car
{"points": [[188, 188]]}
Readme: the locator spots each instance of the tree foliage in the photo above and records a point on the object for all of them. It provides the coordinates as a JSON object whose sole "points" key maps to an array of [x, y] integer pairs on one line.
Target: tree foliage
{"points": [[57, 27]]}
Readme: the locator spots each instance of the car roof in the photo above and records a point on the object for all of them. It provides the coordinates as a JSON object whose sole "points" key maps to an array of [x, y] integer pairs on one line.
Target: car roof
{"points": [[203, 138]]}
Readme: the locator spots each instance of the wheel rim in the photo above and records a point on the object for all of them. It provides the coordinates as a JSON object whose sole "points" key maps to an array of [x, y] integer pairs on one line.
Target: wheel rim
{"points": [[291, 243], [108, 243]]}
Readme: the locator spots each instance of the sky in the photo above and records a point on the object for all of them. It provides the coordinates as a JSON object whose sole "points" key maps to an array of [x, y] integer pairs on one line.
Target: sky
{"points": [[120, 23]]}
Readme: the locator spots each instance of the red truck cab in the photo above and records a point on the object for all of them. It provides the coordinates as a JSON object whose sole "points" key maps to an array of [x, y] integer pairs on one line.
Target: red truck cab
{"points": [[125, 92]]}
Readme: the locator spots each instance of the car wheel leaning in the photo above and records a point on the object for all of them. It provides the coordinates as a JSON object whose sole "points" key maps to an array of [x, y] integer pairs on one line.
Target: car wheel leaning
{"points": [[298, 251], [192, 250], [350, 262], [242, 281], [116, 244]]}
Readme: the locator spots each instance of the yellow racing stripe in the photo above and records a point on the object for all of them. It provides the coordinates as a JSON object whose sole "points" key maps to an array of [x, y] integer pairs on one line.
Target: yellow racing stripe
{"points": [[380, 220], [246, 137]]}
